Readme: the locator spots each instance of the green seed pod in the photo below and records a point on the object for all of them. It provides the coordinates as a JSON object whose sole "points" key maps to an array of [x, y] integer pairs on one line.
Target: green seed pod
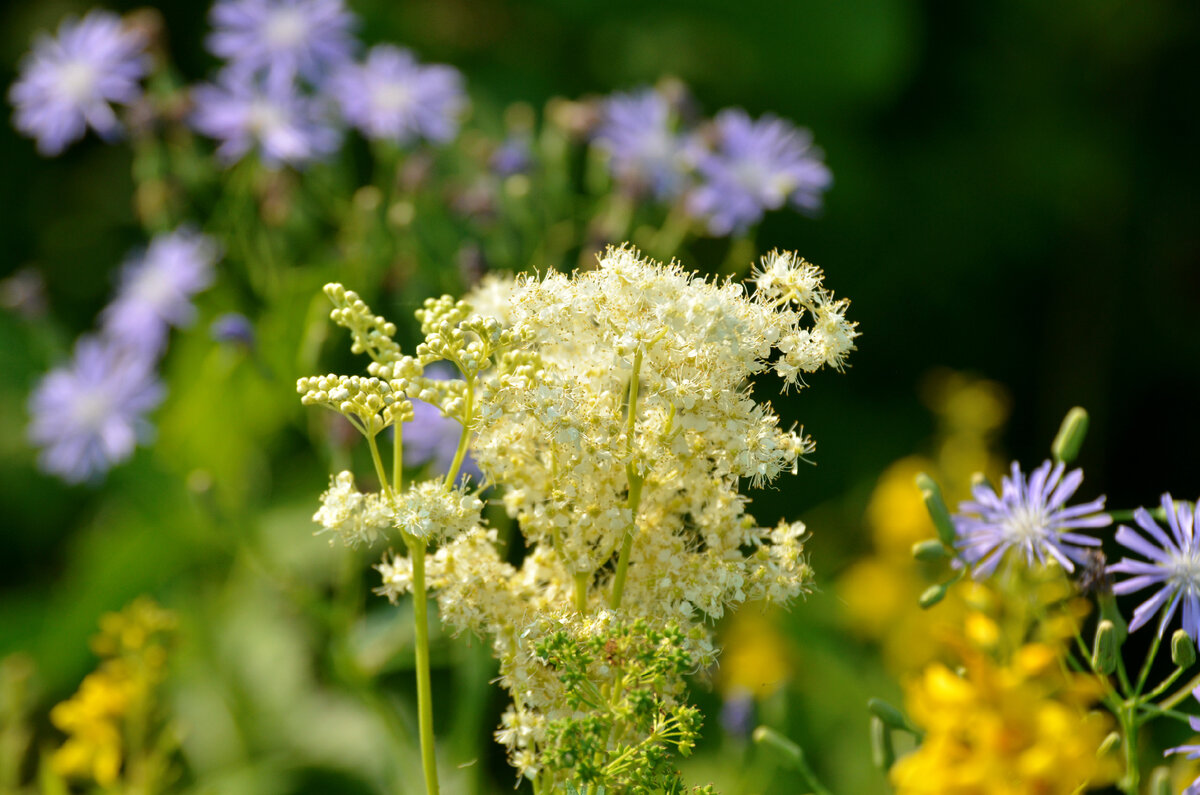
{"points": [[1183, 651], [930, 550], [1104, 648], [932, 595], [882, 750], [1070, 436], [1160, 781], [936, 505]]}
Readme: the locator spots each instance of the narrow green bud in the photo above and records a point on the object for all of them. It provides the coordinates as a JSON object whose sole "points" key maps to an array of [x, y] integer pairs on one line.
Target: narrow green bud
{"points": [[1109, 744], [1110, 612], [1070, 436], [1160, 781], [936, 505], [932, 595], [1104, 648], [882, 750], [891, 716], [930, 550], [1183, 651]]}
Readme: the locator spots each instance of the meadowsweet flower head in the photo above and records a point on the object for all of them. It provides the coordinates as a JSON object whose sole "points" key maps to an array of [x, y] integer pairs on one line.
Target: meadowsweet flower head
{"points": [[755, 166], [246, 114], [1030, 516], [282, 39], [639, 131], [156, 288], [353, 517], [392, 97], [68, 82], [89, 414], [1172, 565]]}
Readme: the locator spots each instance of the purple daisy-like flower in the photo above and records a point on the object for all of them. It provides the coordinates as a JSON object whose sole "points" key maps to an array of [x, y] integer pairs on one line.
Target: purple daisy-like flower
{"points": [[156, 288], [89, 414], [391, 96], [1173, 565], [68, 81], [755, 166], [432, 438], [244, 114], [283, 39], [1030, 516], [638, 130]]}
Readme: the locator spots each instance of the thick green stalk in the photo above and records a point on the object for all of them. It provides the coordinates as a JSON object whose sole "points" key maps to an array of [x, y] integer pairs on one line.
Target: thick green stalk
{"points": [[416, 549], [1128, 720]]}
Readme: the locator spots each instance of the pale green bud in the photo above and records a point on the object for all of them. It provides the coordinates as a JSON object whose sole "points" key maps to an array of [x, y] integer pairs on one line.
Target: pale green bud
{"points": [[932, 595], [1183, 651], [930, 550], [1104, 648], [1160, 781], [882, 751], [1109, 744], [1070, 436], [891, 716], [936, 505]]}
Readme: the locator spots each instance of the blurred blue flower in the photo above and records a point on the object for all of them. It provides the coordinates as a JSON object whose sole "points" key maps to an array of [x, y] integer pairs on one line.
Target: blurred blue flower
{"points": [[156, 287], [233, 328], [67, 82], [392, 97], [432, 437], [244, 113], [755, 166], [1028, 516], [1174, 565], [282, 39], [646, 151], [514, 156], [89, 414]]}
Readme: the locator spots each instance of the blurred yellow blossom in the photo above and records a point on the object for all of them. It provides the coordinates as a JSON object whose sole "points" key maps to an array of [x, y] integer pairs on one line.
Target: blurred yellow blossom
{"points": [[756, 658], [1005, 729], [118, 694]]}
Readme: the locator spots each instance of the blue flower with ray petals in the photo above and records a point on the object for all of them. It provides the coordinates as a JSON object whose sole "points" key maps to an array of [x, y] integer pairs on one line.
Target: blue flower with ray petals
{"points": [[282, 39], [639, 132], [68, 82], [755, 166], [1173, 564], [89, 414], [1029, 516]]}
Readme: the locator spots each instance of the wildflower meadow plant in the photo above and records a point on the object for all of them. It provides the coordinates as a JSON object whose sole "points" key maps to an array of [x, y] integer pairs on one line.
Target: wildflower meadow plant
{"points": [[612, 409]]}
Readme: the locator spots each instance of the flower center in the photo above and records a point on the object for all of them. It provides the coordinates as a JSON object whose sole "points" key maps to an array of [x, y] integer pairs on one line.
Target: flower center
{"points": [[264, 117], [1185, 572], [91, 409], [76, 80], [1025, 523], [285, 28], [392, 97]]}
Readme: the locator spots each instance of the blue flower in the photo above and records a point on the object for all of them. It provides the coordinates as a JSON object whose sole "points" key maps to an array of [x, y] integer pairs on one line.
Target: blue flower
{"points": [[1174, 565], [282, 39], [392, 97], [68, 82], [755, 166], [89, 414], [156, 288], [514, 156], [646, 152], [233, 328], [244, 113], [1029, 516]]}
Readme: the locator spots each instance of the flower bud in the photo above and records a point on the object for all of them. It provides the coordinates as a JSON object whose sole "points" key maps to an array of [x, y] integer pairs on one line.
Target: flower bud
{"points": [[937, 508], [891, 716], [1160, 781], [932, 595], [1104, 648], [1110, 612], [930, 550], [1183, 651], [1109, 744], [1070, 436], [882, 751]]}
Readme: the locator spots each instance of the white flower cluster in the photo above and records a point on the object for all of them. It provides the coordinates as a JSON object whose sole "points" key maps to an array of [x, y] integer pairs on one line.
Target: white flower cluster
{"points": [[352, 516], [615, 411]]}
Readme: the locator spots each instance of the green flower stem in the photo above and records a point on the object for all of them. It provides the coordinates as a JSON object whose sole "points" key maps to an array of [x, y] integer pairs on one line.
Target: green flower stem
{"points": [[1152, 712], [666, 242], [1149, 661], [1165, 684], [465, 439], [636, 481], [397, 459], [416, 551], [794, 754], [1127, 718], [375, 459], [1181, 693], [581, 585]]}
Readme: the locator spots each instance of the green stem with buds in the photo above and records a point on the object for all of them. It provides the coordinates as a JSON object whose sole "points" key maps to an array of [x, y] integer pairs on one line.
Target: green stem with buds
{"points": [[416, 551]]}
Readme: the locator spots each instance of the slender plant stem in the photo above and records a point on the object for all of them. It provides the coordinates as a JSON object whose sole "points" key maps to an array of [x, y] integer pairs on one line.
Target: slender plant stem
{"points": [[416, 550], [1149, 661], [397, 458], [1181, 693], [1128, 719], [465, 439], [635, 485], [581, 586], [377, 461]]}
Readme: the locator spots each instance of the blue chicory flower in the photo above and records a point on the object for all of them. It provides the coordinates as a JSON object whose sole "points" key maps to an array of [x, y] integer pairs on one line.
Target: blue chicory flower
{"points": [[639, 131], [245, 113], [68, 81], [282, 39], [1029, 516], [390, 96], [156, 288], [755, 166], [1173, 564], [89, 414]]}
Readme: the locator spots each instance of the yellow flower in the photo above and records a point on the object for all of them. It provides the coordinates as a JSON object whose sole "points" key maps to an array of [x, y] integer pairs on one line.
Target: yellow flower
{"points": [[896, 513], [1024, 727], [755, 660]]}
